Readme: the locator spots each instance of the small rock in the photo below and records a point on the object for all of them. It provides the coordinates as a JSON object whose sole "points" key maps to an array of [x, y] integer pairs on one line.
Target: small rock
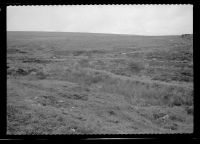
{"points": [[165, 117], [73, 130]]}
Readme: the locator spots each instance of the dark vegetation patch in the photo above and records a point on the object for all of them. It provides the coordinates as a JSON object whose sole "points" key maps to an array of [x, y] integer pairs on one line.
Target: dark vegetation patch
{"points": [[17, 71], [41, 75], [172, 126], [187, 36], [176, 118], [121, 71], [170, 76], [189, 110], [15, 51], [88, 52], [111, 112], [135, 67], [80, 52], [34, 60], [12, 71], [76, 96]]}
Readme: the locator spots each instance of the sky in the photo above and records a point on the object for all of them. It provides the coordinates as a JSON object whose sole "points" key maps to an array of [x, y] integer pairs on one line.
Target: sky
{"points": [[114, 19]]}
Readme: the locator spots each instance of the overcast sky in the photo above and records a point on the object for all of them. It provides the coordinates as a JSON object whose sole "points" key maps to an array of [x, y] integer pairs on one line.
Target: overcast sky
{"points": [[117, 19]]}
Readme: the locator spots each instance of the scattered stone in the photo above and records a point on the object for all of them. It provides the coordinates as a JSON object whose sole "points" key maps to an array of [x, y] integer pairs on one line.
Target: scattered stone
{"points": [[60, 101], [33, 73], [35, 97], [158, 115], [164, 118], [73, 130]]}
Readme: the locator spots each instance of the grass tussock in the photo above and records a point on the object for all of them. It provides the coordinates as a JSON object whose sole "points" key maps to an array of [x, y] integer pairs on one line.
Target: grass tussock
{"points": [[135, 67], [189, 110]]}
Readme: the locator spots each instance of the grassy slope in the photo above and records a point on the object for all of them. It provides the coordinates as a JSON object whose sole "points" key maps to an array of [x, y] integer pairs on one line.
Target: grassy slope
{"points": [[98, 83]]}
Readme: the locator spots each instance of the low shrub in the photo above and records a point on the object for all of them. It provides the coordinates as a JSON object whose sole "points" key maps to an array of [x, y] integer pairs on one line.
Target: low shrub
{"points": [[176, 118], [135, 67], [189, 110], [121, 71], [41, 75], [78, 53]]}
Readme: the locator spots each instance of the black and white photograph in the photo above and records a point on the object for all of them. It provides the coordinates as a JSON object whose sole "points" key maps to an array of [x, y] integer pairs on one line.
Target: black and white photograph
{"points": [[99, 69]]}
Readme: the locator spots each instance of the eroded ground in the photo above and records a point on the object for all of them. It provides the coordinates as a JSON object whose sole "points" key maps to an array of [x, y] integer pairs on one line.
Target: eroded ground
{"points": [[76, 83]]}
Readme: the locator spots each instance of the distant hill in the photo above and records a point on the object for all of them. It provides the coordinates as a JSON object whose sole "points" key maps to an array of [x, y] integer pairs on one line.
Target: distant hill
{"points": [[51, 33]]}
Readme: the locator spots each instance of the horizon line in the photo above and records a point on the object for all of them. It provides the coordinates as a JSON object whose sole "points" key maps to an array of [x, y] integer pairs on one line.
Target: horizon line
{"points": [[100, 33]]}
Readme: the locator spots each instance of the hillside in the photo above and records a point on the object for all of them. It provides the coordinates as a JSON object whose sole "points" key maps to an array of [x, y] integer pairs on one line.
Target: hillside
{"points": [[87, 83]]}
